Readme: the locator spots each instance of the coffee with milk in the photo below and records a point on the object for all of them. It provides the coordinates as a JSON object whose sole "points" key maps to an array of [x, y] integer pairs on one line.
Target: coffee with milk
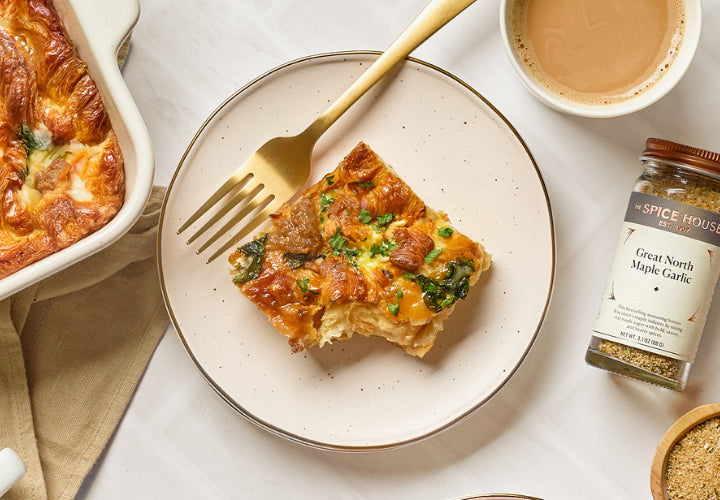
{"points": [[598, 51]]}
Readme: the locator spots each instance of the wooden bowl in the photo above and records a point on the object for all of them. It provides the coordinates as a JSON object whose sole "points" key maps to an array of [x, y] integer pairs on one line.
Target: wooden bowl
{"points": [[668, 441]]}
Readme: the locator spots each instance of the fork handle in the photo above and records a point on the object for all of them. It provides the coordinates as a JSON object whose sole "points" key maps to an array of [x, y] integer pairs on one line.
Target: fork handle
{"points": [[433, 17]]}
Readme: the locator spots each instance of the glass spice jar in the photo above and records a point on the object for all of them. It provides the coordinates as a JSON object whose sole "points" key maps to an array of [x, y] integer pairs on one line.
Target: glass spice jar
{"points": [[653, 308]]}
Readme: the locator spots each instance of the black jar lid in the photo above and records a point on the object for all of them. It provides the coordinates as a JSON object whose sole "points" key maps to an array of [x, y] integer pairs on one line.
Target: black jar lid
{"points": [[682, 155]]}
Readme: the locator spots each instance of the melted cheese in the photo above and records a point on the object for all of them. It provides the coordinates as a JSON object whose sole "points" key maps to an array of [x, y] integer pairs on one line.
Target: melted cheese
{"points": [[30, 196], [78, 191]]}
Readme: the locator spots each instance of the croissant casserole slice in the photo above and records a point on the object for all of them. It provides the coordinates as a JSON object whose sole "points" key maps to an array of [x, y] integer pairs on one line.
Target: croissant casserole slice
{"points": [[359, 252]]}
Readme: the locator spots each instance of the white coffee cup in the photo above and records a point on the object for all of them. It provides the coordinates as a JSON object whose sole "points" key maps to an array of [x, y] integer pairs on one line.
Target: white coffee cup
{"points": [[12, 468], [670, 78]]}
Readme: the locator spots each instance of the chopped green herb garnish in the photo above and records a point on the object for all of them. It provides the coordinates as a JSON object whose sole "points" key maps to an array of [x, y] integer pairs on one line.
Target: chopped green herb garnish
{"points": [[330, 179], [339, 246], [384, 248], [384, 219], [303, 285], [325, 200], [367, 184], [249, 268], [297, 260], [337, 242], [409, 276], [432, 255], [445, 232], [364, 216], [394, 309]]}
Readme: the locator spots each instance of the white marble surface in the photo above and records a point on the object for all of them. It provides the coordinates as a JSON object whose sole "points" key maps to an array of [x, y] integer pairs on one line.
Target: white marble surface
{"points": [[559, 429]]}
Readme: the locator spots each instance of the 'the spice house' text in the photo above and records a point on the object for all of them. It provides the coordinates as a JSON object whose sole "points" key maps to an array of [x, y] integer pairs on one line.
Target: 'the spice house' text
{"points": [[667, 216]]}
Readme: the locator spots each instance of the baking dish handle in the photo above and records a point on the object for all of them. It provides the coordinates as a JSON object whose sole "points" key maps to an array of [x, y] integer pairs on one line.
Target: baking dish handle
{"points": [[108, 22]]}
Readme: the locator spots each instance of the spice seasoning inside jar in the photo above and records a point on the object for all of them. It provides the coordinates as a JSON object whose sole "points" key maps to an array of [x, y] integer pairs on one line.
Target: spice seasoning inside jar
{"points": [[693, 465], [653, 309]]}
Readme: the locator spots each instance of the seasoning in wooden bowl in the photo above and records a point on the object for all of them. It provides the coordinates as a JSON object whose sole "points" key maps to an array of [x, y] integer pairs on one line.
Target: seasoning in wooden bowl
{"points": [[687, 461], [693, 468]]}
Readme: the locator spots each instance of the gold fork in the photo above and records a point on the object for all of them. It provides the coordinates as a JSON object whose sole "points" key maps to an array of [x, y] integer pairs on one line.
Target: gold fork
{"points": [[275, 172]]}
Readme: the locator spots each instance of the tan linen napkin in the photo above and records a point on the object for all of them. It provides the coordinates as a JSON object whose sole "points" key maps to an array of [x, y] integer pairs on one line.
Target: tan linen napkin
{"points": [[72, 351]]}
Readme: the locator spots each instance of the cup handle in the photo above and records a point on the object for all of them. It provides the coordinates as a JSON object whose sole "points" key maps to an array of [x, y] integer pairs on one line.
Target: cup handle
{"points": [[12, 468]]}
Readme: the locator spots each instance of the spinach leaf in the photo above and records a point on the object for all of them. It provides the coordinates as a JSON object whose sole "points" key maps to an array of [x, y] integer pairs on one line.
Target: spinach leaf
{"points": [[28, 139], [297, 260], [457, 278], [435, 296], [249, 268], [438, 295]]}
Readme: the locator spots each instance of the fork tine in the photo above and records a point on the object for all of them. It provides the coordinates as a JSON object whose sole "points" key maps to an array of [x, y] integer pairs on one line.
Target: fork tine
{"points": [[261, 217], [234, 180], [252, 204], [248, 191]]}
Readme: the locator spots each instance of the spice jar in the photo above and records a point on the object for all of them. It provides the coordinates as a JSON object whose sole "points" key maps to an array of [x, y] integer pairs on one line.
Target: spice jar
{"points": [[653, 308]]}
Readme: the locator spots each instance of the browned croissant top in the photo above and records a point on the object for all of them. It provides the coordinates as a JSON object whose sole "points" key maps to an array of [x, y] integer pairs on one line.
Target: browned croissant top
{"points": [[61, 168]]}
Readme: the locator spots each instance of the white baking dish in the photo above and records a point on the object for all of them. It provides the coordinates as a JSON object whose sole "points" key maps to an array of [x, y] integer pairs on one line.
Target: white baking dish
{"points": [[98, 29]]}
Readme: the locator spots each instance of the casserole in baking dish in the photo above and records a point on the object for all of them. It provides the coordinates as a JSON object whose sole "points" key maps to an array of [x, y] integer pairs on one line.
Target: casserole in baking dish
{"points": [[73, 196]]}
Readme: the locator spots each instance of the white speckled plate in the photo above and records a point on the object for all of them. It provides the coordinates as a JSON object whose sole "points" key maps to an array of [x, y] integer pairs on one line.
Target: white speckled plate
{"points": [[499, 496], [459, 155]]}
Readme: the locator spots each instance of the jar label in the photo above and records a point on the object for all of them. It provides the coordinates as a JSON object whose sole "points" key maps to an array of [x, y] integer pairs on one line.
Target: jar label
{"points": [[662, 279]]}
